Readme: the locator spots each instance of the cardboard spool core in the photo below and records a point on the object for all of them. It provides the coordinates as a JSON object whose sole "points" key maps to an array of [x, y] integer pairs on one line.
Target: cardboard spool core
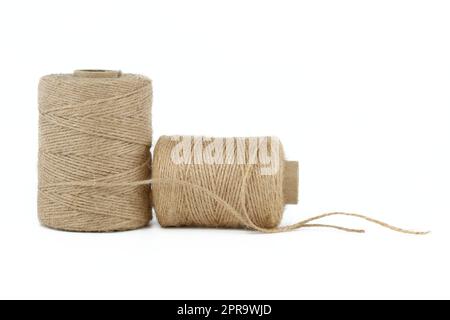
{"points": [[97, 73], [290, 182]]}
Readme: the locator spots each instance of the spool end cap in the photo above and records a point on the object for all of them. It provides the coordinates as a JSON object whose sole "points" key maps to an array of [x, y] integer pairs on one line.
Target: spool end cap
{"points": [[290, 182]]}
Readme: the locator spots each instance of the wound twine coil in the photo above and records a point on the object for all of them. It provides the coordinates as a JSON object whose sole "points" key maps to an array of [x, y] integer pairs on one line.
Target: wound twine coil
{"points": [[208, 163], [94, 126], [230, 183], [94, 165]]}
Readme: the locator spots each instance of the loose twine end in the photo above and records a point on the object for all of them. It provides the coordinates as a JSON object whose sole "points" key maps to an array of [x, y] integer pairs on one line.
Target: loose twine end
{"points": [[306, 223], [243, 216]]}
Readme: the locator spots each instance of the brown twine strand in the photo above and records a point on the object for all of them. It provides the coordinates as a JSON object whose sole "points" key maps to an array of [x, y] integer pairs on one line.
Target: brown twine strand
{"points": [[227, 195], [195, 195], [94, 165], [243, 217], [94, 126]]}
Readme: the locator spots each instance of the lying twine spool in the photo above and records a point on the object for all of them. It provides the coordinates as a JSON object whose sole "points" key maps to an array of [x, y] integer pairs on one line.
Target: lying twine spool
{"points": [[94, 125], [188, 159], [229, 183]]}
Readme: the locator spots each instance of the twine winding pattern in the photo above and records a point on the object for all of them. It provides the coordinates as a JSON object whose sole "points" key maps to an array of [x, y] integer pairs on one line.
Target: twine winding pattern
{"points": [[228, 195], [94, 166], [181, 204], [94, 126]]}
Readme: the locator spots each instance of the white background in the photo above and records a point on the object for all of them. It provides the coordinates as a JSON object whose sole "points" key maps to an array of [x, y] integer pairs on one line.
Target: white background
{"points": [[358, 91]]}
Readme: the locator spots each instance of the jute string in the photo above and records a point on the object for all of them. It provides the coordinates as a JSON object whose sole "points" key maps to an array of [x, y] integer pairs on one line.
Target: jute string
{"points": [[94, 167], [227, 196], [243, 216], [94, 126]]}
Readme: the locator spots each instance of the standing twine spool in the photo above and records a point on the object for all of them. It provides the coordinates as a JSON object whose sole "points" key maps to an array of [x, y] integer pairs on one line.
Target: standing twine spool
{"points": [[94, 127]]}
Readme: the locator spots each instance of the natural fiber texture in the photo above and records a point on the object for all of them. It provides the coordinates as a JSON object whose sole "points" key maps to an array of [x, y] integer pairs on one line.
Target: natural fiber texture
{"points": [[181, 205], [95, 129], [94, 160], [226, 195]]}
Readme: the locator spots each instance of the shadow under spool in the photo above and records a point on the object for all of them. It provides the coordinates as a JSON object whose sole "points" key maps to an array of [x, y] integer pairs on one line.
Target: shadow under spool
{"points": [[94, 126]]}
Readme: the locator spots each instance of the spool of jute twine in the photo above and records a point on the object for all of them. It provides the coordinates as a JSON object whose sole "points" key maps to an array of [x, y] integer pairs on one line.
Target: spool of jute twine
{"points": [[94, 165], [95, 126], [222, 167], [230, 183]]}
